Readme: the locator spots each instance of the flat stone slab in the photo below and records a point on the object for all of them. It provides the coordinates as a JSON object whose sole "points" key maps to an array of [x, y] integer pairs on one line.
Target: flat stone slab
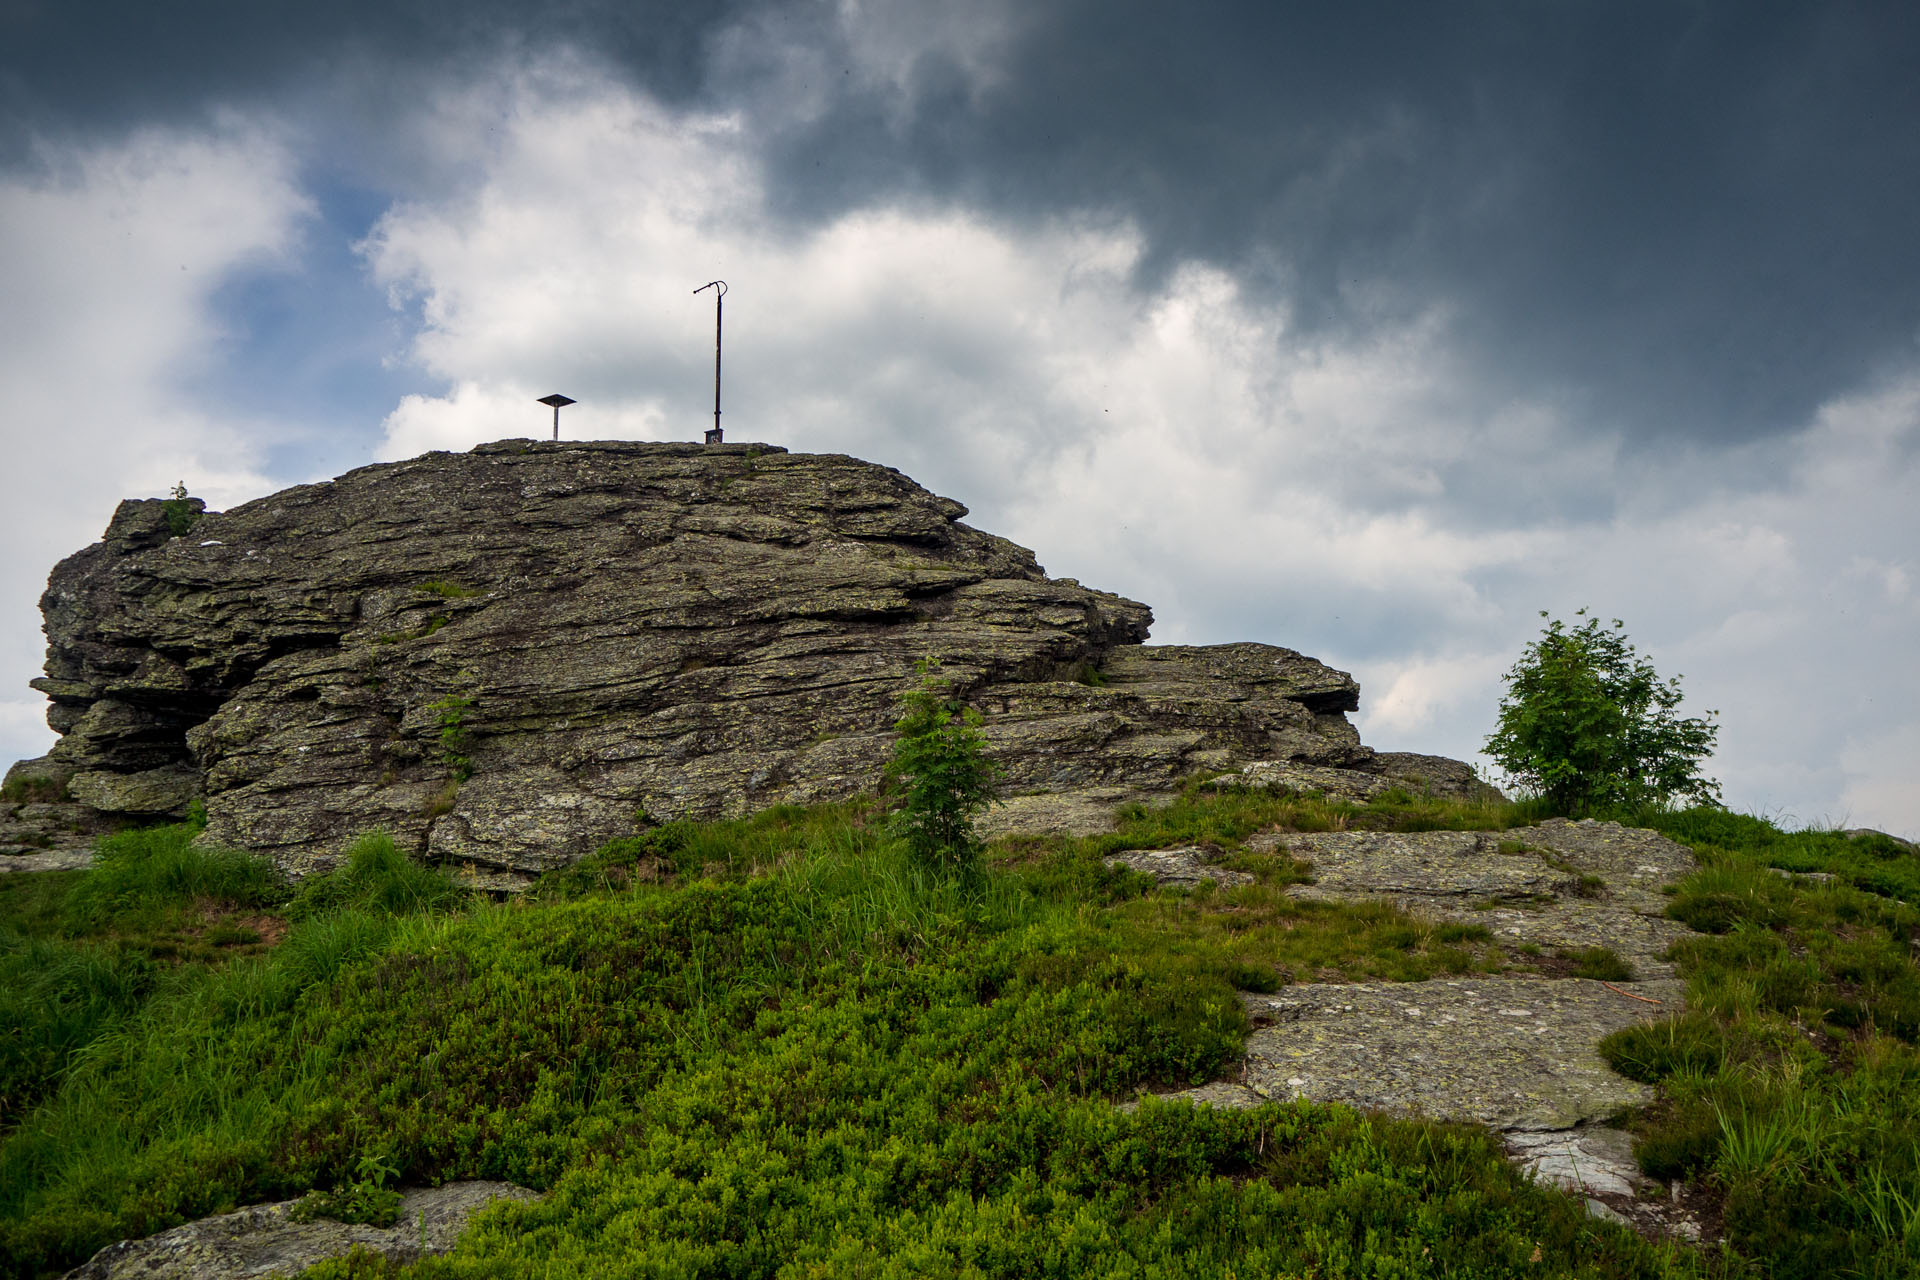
{"points": [[1180, 868], [47, 860], [1292, 775], [1510, 1053], [1418, 865], [1633, 861], [1088, 812], [1543, 894], [261, 1240], [1595, 1161]]}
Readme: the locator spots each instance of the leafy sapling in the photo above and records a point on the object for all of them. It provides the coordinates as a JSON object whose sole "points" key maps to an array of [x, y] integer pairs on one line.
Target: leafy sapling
{"points": [[1586, 724], [182, 509], [941, 774]]}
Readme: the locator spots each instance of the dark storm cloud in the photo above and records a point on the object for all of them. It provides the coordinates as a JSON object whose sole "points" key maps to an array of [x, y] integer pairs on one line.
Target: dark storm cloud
{"points": [[90, 65], [1675, 219], [1687, 218]]}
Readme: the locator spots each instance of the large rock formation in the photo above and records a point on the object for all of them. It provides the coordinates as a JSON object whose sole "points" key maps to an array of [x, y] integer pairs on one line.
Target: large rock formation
{"points": [[508, 656]]}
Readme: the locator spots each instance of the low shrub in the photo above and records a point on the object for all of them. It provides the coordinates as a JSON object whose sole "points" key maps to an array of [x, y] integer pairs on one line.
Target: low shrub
{"points": [[845, 1064]]}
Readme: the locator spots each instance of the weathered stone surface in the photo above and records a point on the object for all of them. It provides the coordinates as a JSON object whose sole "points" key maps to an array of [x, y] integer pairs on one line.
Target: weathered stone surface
{"points": [[1511, 1053], [162, 792], [593, 630], [37, 818], [1518, 1053], [47, 860], [1597, 1163], [1594, 1161], [1381, 771], [1288, 775], [1087, 811], [1183, 868], [1530, 886], [261, 1240]]}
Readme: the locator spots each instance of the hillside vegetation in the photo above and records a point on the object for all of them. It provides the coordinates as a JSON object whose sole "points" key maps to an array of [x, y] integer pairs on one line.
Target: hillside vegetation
{"points": [[775, 1047]]}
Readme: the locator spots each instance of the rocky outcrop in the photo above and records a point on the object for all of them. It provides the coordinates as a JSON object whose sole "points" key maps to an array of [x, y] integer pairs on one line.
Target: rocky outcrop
{"points": [[508, 656], [42, 828], [269, 1240]]}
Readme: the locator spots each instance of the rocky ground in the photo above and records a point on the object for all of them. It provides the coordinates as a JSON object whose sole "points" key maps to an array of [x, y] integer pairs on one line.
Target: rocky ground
{"points": [[41, 827], [1516, 1053], [268, 1240]]}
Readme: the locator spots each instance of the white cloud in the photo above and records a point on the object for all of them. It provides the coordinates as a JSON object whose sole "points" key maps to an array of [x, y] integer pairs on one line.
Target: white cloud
{"points": [[110, 255], [1880, 790]]}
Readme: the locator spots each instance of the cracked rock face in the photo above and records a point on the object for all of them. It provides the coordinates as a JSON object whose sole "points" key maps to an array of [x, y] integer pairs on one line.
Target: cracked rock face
{"points": [[503, 657]]}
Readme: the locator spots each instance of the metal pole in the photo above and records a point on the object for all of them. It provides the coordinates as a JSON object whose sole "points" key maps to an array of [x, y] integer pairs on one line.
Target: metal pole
{"points": [[720, 292], [556, 422]]}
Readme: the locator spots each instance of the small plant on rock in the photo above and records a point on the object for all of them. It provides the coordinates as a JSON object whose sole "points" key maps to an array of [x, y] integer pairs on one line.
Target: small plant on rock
{"points": [[454, 738], [1587, 724], [941, 774], [366, 1199], [182, 510]]}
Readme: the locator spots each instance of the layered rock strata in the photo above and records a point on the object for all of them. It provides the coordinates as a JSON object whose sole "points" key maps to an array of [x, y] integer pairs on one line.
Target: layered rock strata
{"points": [[508, 656]]}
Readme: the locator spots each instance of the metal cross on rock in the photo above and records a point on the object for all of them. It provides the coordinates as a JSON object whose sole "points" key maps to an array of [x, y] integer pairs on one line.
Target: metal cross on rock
{"points": [[720, 291]]}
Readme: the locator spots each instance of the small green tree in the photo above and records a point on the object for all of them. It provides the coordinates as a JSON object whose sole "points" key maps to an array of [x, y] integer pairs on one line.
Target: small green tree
{"points": [[181, 509], [941, 774], [1586, 723]]}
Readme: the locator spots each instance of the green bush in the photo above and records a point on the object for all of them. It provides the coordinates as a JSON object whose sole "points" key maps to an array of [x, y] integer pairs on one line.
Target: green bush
{"points": [[1586, 723], [33, 789], [55, 999], [81, 953], [453, 736]]}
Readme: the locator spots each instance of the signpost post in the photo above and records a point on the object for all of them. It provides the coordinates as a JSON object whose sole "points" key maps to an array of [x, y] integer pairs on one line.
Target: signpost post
{"points": [[720, 291]]}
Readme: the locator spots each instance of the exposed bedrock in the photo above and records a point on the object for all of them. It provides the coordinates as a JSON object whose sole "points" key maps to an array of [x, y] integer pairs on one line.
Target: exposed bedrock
{"points": [[504, 656]]}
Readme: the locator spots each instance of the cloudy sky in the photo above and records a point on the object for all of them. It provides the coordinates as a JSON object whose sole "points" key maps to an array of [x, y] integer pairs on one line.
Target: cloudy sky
{"points": [[1369, 330]]}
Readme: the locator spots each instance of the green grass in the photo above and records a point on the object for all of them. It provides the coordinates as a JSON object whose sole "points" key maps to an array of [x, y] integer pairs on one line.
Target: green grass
{"points": [[776, 1047], [81, 952], [1792, 1085], [33, 788]]}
